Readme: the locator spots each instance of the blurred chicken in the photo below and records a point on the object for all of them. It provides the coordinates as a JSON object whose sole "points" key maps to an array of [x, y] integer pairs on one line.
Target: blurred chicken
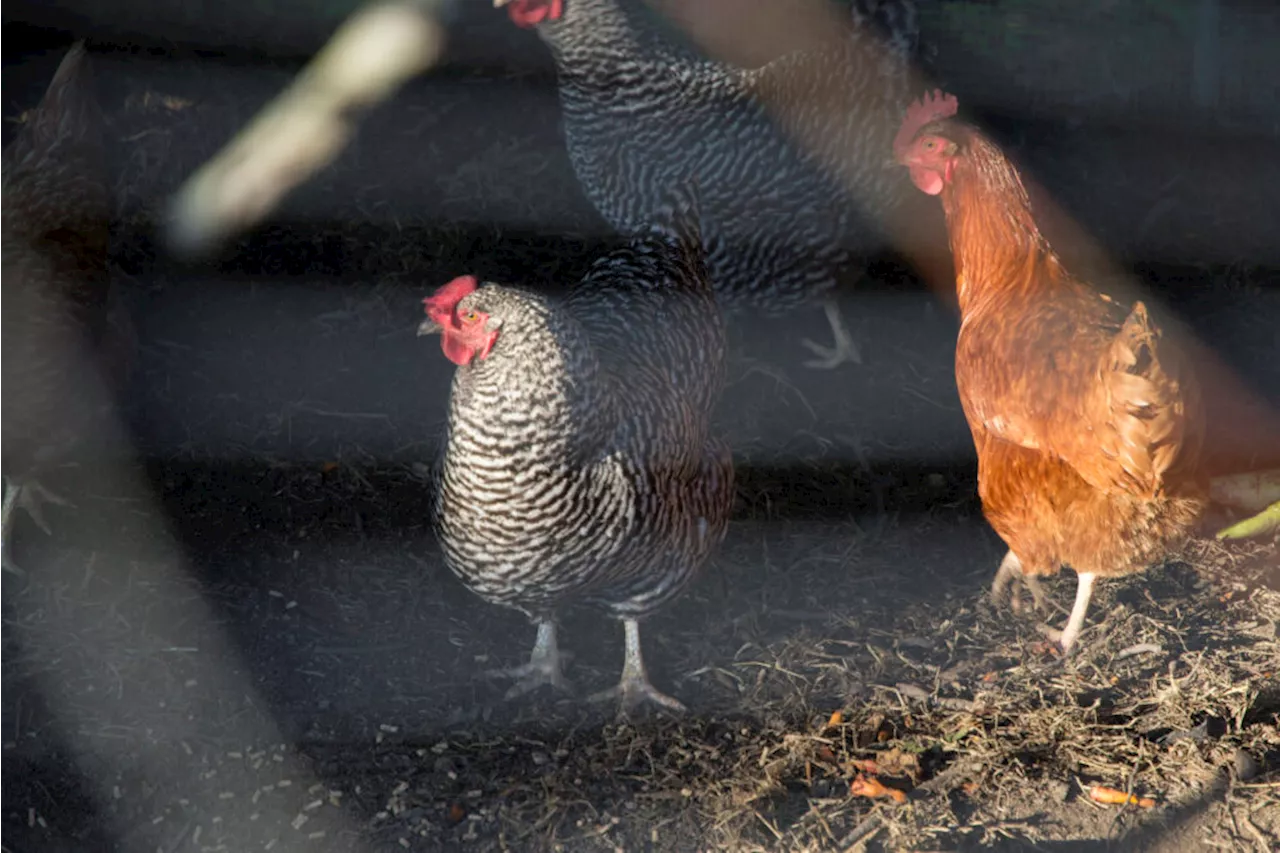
{"points": [[579, 463], [55, 314], [1086, 420], [789, 156]]}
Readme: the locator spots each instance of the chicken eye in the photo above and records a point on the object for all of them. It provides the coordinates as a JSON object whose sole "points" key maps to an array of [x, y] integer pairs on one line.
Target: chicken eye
{"points": [[930, 144], [470, 317]]}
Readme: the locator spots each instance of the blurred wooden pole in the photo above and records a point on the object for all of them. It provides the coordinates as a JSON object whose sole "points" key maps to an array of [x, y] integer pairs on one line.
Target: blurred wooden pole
{"points": [[300, 132]]}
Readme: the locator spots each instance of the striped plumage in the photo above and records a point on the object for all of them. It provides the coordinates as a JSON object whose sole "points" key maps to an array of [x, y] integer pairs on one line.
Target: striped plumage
{"points": [[781, 219], [579, 464], [55, 221]]}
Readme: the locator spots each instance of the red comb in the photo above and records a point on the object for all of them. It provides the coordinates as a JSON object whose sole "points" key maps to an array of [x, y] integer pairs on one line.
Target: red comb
{"points": [[441, 303], [931, 107]]}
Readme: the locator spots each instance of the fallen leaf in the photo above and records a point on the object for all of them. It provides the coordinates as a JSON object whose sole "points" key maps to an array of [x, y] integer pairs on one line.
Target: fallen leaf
{"points": [[837, 717], [874, 788], [328, 467], [865, 765], [456, 813], [895, 762], [1112, 797], [825, 753]]}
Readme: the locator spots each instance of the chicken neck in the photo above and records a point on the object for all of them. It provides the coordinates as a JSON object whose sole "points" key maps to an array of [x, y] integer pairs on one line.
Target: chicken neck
{"points": [[996, 245], [592, 37]]}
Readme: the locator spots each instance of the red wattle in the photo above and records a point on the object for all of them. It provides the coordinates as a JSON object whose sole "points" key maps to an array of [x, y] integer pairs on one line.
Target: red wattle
{"points": [[927, 180], [529, 13], [455, 350]]}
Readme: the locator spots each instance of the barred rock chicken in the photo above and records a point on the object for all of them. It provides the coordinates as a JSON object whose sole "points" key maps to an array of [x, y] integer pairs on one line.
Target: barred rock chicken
{"points": [[1086, 419], [55, 219], [578, 463], [789, 157]]}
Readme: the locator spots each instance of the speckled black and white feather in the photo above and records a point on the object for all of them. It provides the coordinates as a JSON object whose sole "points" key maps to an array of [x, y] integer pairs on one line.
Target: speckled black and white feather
{"points": [[579, 463], [55, 221], [780, 219]]}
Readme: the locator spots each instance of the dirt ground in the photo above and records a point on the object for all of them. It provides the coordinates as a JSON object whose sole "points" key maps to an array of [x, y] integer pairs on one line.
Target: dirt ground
{"points": [[241, 636]]}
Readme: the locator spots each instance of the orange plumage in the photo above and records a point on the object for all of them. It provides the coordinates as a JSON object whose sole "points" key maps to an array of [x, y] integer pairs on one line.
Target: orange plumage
{"points": [[1085, 416]]}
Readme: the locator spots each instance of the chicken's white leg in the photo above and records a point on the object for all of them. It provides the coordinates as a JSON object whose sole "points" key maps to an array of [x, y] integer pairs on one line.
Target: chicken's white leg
{"points": [[634, 687], [544, 666], [1067, 636], [29, 495], [844, 350], [1010, 574]]}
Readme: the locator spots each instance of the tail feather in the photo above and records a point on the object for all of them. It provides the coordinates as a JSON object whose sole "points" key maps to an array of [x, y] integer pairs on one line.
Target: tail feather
{"points": [[1150, 405], [74, 64], [57, 205], [68, 109], [54, 169]]}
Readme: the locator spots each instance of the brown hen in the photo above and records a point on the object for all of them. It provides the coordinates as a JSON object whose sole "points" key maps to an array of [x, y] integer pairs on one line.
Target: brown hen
{"points": [[1086, 418]]}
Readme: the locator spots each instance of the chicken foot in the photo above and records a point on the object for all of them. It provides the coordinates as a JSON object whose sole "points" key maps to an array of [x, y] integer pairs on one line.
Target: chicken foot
{"points": [[634, 688], [1066, 638], [544, 666], [30, 496], [844, 350], [1010, 576]]}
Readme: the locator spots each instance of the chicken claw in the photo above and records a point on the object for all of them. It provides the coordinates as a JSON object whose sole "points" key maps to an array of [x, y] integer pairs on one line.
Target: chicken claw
{"points": [[634, 688], [634, 692], [1009, 576], [543, 668], [30, 496], [844, 350]]}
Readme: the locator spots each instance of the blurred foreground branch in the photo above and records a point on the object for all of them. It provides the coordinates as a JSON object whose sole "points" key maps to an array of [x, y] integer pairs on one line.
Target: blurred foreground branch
{"points": [[372, 54]]}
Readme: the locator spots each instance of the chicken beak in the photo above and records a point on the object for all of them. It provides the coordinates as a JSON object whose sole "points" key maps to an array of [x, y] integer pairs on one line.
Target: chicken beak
{"points": [[498, 4], [429, 327]]}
